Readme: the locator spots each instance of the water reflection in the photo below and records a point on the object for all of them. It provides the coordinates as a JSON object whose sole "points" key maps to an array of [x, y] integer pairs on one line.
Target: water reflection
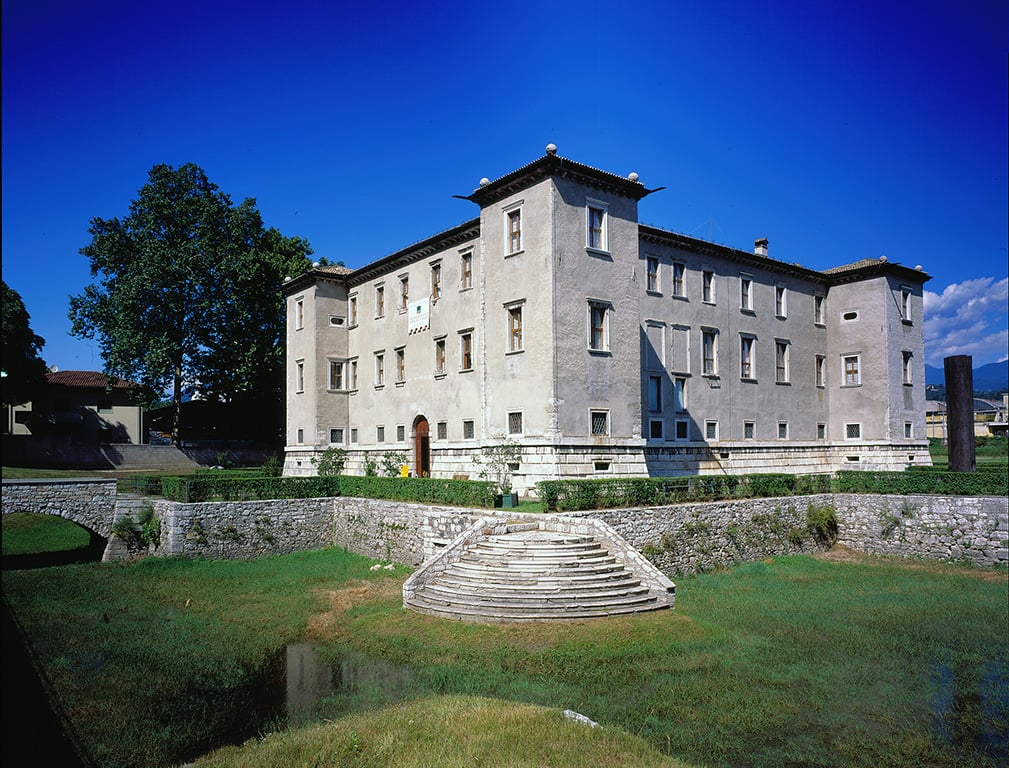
{"points": [[315, 686], [970, 706]]}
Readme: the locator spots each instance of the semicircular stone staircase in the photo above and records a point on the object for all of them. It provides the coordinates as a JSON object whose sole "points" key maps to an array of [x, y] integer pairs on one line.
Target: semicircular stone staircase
{"points": [[537, 571]]}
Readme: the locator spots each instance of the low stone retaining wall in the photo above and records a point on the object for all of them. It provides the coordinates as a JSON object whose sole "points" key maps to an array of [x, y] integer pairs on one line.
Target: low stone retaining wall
{"points": [[974, 529]]}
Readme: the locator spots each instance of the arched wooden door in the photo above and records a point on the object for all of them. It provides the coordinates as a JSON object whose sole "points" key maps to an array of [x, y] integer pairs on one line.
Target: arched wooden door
{"points": [[421, 447]]}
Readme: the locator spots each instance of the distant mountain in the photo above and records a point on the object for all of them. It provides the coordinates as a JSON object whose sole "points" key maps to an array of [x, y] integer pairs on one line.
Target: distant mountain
{"points": [[993, 377]]}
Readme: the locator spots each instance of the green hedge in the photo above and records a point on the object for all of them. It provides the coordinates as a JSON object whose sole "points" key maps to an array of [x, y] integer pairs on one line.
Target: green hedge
{"points": [[568, 495], [931, 481], [460, 493]]}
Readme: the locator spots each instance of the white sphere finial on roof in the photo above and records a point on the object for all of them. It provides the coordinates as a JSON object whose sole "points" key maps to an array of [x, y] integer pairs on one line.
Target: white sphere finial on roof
{"points": [[315, 265], [632, 176], [551, 149], [484, 181], [918, 267], [882, 258]]}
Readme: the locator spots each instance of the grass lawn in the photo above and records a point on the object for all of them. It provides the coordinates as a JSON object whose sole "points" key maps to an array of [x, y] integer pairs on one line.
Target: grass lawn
{"points": [[835, 661]]}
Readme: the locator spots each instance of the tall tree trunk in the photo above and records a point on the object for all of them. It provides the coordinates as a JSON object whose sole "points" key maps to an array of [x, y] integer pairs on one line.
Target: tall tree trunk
{"points": [[177, 405]]}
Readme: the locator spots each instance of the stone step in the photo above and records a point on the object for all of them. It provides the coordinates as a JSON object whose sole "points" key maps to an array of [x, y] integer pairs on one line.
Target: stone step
{"points": [[537, 550], [619, 580], [501, 603], [497, 593], [489, 570], [483, 614]]}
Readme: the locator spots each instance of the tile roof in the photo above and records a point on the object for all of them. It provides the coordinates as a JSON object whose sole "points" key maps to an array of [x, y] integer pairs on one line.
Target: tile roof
{"points": [[85, 380]]}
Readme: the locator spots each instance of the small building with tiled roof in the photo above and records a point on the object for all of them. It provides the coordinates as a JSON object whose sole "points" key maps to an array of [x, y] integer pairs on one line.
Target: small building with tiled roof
{"points": [[82, 408]]}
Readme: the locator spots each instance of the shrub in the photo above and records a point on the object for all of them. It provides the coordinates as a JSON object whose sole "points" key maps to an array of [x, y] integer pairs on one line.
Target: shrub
{"points": [[332, 462]]}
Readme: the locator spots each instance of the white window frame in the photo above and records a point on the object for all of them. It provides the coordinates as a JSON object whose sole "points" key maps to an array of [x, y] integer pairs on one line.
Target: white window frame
{"points": [[352, 309], [602, 344], [712, 369], [661, 424], [515, 419], [747, 371], [820, 371], [339, 367], [352, 374], [400, 364], [512, 213], [380, 300], [652, 282], [782, 353], [436, 289], [905, 304], [821, 430], [708, 286], [401, 433], [605, 414], [848, 380], [404, 292], [441, 430], [468, 429], [465, 340], [603, 244], [299, 375], [680, 394], [751, 426], [342, 434], [908, 430], [746, 293], [851, 427], [780, 301], [679, 286], [906, 372], [380, 433], [299, 313], [819, 309], [711, 425], [466, 270], [782, 430], [515, 340], [380, 369], [440, 356]]}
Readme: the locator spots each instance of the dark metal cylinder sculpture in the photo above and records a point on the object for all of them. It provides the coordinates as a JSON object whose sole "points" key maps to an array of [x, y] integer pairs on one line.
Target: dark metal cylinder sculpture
{"points": [[960, 412]]}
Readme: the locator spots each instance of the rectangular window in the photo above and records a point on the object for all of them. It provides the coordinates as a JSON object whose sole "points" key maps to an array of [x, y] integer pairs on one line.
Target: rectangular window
{"points": [[655, 429], [353, 435], [379, 301], [905, 304], [466, 271], [821, 431], [709, 347], [435, 281], [748, 430], [515, 329], [681, 429], [515, 423], [853, 431], [299, 314], [513, 220], [439, 356], [301, 436], [400, 433], [780, 301], [655, 394], [821, 371], [678, 270], [467, 429], [442, 430], [336, 374], [299, 376], [352, 374], [466, 351], [336, 436], [708, 287], [906, 367], [380, 434], [596, 226], [711, 430], [818, 310], [401, 364], [908, 431], [746, 357], [598, 327], [782, 430], [745, 293], [353, 310], [404, 292], [379, 369], [600, 422], [679, 394], [652, 274], [781, 362], [852, 370]]}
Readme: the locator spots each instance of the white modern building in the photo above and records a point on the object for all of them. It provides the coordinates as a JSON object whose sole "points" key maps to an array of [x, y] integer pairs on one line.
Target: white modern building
{"points": [[604, 347]]}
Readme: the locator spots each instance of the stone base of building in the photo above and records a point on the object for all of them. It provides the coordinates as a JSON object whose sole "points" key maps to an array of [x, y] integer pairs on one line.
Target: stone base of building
{"points": [[554, 461]]}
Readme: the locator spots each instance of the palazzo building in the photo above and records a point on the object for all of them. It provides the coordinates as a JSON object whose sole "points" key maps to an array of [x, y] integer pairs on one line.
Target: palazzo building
{"points": [[602, 346]]}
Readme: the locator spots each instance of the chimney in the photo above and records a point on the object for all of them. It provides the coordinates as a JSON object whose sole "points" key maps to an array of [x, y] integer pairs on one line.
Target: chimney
{"points": [[760, 246]]}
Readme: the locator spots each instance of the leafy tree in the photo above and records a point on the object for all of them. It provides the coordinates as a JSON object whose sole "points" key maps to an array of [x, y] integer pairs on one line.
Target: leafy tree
{"points": [[23, 370], [188, 296]]}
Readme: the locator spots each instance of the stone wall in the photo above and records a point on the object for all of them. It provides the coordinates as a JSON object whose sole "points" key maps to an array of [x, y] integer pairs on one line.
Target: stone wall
{"points": [[89, 502], [974, 529], [244, 529]]}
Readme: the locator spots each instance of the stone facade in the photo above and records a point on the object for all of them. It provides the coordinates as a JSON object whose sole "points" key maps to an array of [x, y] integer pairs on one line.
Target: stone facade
{"points": [[91, 503], [602, 346]]}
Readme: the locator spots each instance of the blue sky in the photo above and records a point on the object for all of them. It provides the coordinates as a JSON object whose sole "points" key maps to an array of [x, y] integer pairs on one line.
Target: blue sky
{"points": [[838, 130]]}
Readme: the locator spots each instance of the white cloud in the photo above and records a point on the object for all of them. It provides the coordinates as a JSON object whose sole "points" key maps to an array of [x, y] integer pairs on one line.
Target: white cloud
{"points": [[968, 318]]}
